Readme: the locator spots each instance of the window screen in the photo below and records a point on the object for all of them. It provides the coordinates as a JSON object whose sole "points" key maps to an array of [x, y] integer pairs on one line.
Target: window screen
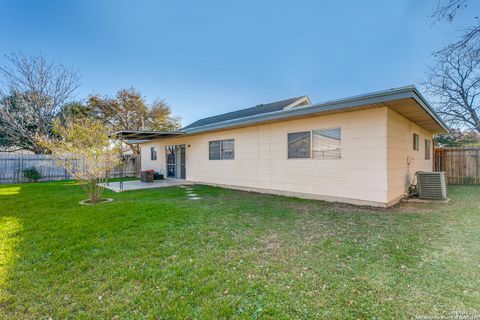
{"points": [[427, 149], [299, 145], [326, 143], [222, 149], [153, 153], [416, 142]]}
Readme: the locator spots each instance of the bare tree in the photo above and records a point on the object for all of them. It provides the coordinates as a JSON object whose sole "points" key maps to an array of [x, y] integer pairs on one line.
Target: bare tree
{"points": [[32, 93], [448, 10], [454, 85]]}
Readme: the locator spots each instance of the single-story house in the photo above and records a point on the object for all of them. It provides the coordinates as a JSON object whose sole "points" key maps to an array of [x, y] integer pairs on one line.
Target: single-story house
{"points": [[361, 150]]}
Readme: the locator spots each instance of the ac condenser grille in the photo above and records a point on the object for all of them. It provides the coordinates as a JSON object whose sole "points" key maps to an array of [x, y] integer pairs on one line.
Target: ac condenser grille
{"points": [[431, 185]]}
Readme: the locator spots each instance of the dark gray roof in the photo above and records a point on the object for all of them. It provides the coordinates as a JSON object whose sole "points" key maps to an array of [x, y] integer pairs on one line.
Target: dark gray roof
{"points": [[331, 106], [259, 109]]}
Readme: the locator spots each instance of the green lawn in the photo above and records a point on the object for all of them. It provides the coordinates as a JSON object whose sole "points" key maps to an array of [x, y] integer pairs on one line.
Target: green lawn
{"points": [[155, 254]]}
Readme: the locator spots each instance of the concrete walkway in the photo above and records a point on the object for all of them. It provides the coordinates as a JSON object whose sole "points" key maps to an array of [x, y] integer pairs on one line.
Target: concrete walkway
{"points": [[137, 184]]}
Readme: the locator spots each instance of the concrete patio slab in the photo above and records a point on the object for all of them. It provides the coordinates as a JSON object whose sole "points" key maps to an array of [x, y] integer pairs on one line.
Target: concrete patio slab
{"points": [[417, 200], [138, 185]]}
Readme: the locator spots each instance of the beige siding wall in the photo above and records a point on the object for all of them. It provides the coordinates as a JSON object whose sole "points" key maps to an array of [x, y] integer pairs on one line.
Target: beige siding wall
{"points": [[400, 146], [360, 176]]}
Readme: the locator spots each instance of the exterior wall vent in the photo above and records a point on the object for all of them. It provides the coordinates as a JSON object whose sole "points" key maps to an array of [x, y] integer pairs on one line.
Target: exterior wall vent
{"points": [[431, 185]]}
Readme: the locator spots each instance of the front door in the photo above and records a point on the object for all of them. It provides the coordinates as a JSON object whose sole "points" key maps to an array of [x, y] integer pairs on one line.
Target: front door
{"points": [[176, 161]]}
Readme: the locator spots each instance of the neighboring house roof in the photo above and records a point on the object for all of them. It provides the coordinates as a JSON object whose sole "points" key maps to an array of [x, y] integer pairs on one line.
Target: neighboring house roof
{"points": [[252, 111], [406, 101]]}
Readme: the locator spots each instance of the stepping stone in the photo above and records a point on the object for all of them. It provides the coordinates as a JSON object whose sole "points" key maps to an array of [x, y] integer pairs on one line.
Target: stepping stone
{"points": [[195, 198], [192, 194]]}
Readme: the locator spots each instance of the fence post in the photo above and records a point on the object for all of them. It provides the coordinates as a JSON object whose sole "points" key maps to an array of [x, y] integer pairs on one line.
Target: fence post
{"points": [[65, 172], [20, 169]]}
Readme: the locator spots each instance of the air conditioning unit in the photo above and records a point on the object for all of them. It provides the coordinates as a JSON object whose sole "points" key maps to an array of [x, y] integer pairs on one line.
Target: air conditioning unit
{"points": [[431, 185]]}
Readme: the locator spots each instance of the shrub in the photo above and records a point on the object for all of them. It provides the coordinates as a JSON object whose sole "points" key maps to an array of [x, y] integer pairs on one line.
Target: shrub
{"points": [[32, 174], [85, 141]]}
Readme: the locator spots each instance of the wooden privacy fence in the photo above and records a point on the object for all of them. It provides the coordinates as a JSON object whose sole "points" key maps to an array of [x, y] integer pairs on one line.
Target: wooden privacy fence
{"points": [[13, 165], [461, 165]]}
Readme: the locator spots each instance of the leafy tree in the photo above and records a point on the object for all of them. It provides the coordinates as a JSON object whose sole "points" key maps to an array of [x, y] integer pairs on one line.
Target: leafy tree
{"points": [[33, 90], [83, 147], [160, 117], [74, 110], [129, 111], [458, 138]]}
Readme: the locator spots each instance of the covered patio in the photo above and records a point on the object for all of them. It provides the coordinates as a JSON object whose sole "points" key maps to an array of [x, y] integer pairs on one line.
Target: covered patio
{"points": [[138, 136], [119, 186]]}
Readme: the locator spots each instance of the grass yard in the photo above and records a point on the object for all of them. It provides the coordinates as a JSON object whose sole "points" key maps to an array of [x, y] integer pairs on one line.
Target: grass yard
{"points": [[156, 254]]}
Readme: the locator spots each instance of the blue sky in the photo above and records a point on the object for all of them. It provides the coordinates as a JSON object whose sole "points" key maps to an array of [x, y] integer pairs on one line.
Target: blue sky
{"points": [[208, 57]]}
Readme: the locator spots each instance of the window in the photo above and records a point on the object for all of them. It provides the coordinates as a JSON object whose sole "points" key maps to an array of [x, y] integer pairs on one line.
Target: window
{"points": [[153, 153], [221, 149], [316, 144], [427, 149], [299, 145], [326, 143], [416, 142]]}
